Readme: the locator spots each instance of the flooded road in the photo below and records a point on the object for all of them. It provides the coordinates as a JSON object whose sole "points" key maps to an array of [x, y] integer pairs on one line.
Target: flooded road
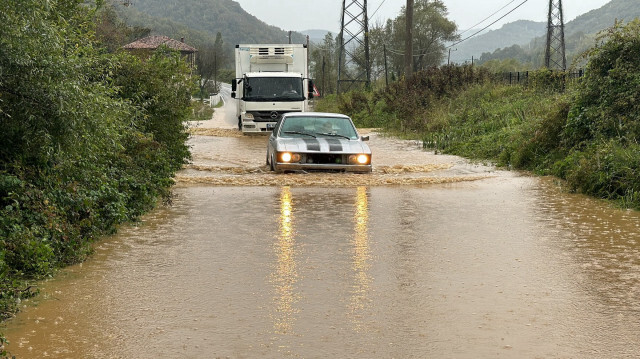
{"points": [[427, 257]]}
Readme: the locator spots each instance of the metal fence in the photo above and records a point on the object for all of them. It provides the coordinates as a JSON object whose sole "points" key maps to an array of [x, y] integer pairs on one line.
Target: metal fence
{"points": [[524, 77]]}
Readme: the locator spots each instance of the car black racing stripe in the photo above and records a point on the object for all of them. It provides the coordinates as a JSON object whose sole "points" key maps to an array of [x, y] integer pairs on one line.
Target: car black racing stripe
{"points": [[312, 144], [334, 144]]}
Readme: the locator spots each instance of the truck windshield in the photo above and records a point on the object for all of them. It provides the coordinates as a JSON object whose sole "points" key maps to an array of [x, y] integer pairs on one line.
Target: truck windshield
{"points": [[273, 89]]}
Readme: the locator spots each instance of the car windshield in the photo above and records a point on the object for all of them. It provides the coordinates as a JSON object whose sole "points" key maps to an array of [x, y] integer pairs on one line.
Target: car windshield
{"points": [[305, 126], [273, 89]]}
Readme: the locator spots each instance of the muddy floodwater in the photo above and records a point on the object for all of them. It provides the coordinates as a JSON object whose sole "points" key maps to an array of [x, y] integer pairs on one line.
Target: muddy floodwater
{"points": [[429, 256]]}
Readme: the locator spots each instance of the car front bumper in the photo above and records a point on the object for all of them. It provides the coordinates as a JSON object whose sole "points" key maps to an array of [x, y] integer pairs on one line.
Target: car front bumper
{"points": [[281, 167]]}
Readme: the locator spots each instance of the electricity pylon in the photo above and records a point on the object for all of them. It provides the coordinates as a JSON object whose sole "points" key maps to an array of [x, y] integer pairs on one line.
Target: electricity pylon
{"points": [[353, 55], [554, 56]]}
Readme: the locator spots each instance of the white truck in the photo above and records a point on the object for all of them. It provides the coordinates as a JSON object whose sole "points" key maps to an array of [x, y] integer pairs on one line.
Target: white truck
{"points": [[271, 80]]}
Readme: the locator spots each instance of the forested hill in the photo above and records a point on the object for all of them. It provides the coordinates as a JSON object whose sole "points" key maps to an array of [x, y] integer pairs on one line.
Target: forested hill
{"points": [[519, 32], [579, 33], [599, 19], [199, 21]]}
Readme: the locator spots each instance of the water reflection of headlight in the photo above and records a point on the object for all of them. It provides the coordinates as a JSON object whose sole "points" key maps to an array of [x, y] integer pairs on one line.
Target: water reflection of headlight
{"points": [[361, 257], [285, 276]]}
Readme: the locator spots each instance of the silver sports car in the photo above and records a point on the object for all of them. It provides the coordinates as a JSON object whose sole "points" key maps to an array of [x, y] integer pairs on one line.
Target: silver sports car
{"points": [[317, 141]]}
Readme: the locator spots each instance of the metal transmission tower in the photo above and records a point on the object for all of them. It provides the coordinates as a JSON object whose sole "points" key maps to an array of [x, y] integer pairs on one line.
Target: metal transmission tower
{"points": [[554, 56], [353, 56]]}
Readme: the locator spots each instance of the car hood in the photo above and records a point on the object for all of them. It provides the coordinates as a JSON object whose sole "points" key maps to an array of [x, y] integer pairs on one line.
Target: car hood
{"points": [[322, 144]]}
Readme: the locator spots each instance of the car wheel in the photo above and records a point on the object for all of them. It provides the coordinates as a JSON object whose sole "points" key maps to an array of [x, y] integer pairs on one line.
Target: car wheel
{"points": [[272, 165]]}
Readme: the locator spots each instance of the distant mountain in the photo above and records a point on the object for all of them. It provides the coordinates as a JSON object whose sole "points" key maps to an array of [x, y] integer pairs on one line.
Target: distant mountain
{"points": [[525, 40], [198, 21], [516, 33]]}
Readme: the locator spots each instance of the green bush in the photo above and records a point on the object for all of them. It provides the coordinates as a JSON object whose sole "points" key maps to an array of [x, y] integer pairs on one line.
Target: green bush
{"points": [[365, 108], [90, 139], [608, 171], [607, 103]]}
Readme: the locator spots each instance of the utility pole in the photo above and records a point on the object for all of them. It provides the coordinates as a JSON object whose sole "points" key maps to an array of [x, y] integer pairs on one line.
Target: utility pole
{"points": [[386, 70], [408, 50], [353, 42], [554, 55], [324, 89], [449, 57]]}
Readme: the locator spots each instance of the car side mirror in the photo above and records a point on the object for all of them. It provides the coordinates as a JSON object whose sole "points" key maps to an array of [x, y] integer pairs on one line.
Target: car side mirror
{"points": [[364, 138]]}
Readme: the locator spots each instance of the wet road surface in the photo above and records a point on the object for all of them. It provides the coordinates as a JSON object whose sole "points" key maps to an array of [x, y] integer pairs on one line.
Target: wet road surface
{"points": [[427, 257]]}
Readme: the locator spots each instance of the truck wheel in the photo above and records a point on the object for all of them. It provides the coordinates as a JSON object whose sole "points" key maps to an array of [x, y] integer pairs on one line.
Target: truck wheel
{"points": [[239, 123]]}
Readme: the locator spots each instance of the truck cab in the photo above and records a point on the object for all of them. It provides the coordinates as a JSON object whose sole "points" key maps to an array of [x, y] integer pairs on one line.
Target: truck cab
{"points": [[271, 80]]}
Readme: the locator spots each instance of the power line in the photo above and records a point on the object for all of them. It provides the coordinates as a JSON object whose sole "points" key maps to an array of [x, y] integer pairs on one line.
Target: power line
{"points": [[379, 6], [486, 27], [401, 53], [488, 17]]}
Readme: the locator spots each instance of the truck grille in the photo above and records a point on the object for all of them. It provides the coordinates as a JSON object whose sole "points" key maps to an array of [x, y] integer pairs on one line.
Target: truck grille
{"points": [[268, 116]]}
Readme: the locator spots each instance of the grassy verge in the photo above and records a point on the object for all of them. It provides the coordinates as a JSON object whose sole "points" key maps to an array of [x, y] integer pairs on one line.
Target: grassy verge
{"points": [[202, 111]]}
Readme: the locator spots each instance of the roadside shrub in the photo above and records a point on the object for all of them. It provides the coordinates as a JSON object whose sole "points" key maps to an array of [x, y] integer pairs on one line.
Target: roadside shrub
{"points": [[160, 88], [90, 140], [546, 80], [607, 103], [366, 109], [541, 146], [329, 103], [411, 100], [608, 171]]}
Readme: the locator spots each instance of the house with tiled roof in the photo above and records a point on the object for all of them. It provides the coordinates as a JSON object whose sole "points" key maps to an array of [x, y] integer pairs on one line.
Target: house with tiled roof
{"points": [[151, 43]]}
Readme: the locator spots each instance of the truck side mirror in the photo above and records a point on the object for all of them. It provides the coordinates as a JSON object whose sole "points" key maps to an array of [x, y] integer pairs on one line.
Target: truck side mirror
{"points": [[310, 89], [234, 87]]}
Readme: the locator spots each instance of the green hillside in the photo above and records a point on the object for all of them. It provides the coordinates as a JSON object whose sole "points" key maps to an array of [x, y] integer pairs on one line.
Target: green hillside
{"points": [[604, 17], [198, 21]]}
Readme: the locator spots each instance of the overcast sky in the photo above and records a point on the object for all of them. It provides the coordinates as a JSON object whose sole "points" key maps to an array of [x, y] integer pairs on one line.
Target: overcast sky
{"points": [[299, 15]]}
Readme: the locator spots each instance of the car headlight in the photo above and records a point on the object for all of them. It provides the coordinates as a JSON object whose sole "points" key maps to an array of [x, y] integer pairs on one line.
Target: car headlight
{"points": [[361, 159], [288, 157]]}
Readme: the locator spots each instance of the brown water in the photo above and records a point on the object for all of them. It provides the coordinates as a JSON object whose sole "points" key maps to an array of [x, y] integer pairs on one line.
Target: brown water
{"points": [[427, 257]]}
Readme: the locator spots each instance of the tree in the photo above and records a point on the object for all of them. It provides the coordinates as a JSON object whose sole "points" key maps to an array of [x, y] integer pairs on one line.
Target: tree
{"points": [[210, 59], [324, 65], [112, 32], [379, 37], [431, 29]]}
